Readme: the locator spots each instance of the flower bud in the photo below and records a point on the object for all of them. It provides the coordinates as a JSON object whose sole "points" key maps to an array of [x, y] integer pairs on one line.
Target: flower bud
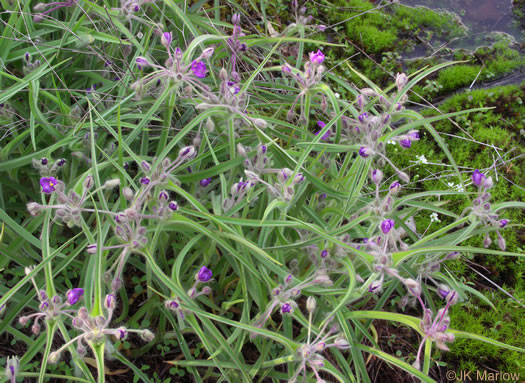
{"points": [[286, 308], [142, 62], [121, 333], [110, 184], [207, 53], [501, 242], [35, 329], [53, 357], [311, 304], [341, 343], [147, 335], [88, 182], [166, 39], [401, 80], [377, 176], [110, 302], [187, 152], [77, 323], [128, 193], [413, 287], [204, 275], [260, 123], [387, 225], [486, 241]]}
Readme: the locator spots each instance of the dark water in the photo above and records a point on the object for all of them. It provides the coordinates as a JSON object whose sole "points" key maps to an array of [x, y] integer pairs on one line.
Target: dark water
{"points": [[481, 17]]}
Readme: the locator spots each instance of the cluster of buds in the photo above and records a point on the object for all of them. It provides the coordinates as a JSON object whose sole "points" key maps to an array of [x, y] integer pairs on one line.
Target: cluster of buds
{"points": [[237, 193], [204, 275], [482, 209], [29, 64], [175, 70], [284, 295], [94, 330], [284, 188], [69, 206], [46, 9], [259, 162], [48, 168], [128, 8], [236, 46], [436, 329], [129, 229], [310, 353], [50, 308], [367, 129], [307, 80], [232, 99], [301, 21]]}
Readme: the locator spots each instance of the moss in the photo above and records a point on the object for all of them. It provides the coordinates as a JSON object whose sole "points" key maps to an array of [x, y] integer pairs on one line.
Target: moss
{"points": [[505, 324]]}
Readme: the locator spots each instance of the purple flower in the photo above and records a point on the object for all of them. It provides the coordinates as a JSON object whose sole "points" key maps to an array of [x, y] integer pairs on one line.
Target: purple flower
{"points": [[364, 152], [74, 295], [204, 274], [324, 136], [477, 177], [503, 223], [205, 182], [286, 68], [317, 57], [414, 134], [166, 39], [406, 143], [286, 308], [198, 68], [173, 206], [363, 116], [324, 253], [142, 62], [387, 225], [48, 184], [145, 181]]}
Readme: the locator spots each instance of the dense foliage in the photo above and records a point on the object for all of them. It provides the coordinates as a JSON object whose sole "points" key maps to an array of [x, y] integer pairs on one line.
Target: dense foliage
{"points": [[183, 189]]}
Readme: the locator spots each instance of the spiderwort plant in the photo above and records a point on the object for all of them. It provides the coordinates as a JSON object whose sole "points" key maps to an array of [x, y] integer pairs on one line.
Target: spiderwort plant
{"points": [[177, 73], [308, 80], [482, 209], [95, 330], [52, 308], [284, 295]]}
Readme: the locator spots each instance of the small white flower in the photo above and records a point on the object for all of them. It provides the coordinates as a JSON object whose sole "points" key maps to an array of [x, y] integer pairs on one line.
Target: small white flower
{"points": [[391, 142], [450, 185], [337, 95], [434, 217], [422, 160]]}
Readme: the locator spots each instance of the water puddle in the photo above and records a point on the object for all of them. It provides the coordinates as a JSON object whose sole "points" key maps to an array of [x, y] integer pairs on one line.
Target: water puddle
{"points": [[482, 17]]}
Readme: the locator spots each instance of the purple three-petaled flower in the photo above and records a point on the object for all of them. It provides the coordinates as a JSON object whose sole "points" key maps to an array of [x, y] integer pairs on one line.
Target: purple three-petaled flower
{"points": [[198, 68], [74, 295], [204, 274], [48, 184]]}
